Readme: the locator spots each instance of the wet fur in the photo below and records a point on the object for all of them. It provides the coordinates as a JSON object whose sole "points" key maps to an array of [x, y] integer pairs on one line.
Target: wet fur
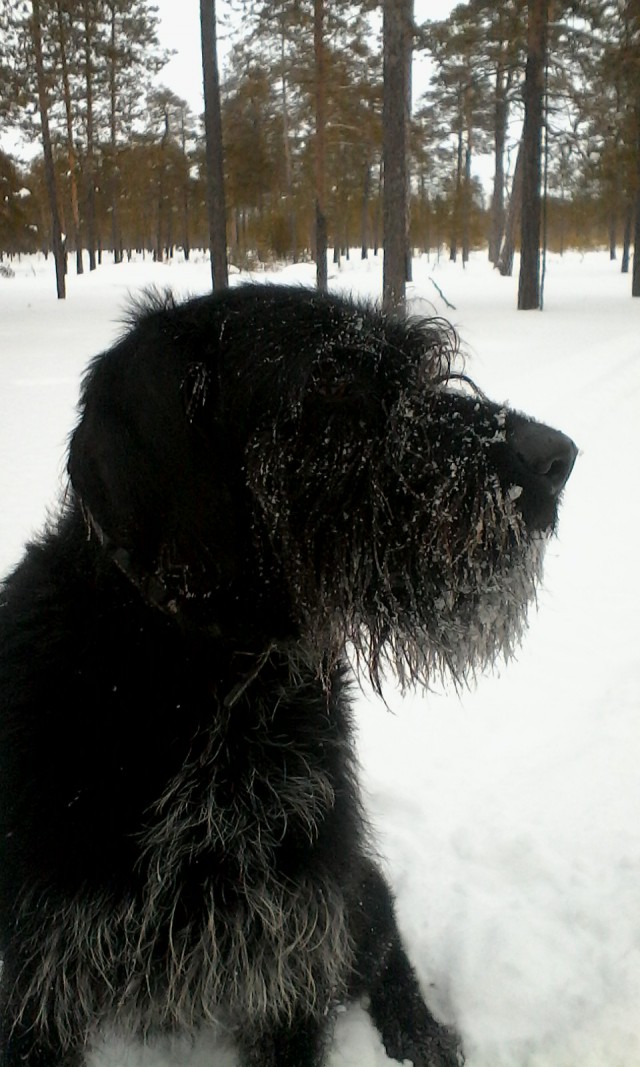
{"points": [[257, 480]]}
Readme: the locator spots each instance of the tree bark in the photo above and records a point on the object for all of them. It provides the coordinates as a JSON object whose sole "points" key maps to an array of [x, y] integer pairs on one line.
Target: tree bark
{"points": [[408, 90], [457, 196], [286, 144], [466, 200], [113, 138], [49, 168], [162, 165], [397, 31], [635, 274], [377, 215], [626, 242], [501, 114], [507, 252], [529, 282], [186, 242], [322, 277], [92, 238], [71, 152], [364, 210], [213, 131]]}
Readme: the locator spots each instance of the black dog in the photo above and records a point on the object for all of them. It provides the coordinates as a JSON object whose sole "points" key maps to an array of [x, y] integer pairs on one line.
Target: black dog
{"points": [[260, 478]]}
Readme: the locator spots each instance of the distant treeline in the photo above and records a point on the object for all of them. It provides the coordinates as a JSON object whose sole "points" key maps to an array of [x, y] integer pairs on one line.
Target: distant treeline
{"points": [[128, 158]]}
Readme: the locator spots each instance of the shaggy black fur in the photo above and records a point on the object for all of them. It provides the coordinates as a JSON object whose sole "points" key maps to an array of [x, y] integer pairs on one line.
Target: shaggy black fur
{"points": [[259, 478]]}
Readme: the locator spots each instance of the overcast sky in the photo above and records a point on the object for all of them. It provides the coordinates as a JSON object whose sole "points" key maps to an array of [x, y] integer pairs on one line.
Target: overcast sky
{"points": [[180, 30]]}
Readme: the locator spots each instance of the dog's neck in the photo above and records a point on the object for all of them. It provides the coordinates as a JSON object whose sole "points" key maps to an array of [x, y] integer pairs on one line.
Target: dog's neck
{"points": [[163, 589], [167, 591]]}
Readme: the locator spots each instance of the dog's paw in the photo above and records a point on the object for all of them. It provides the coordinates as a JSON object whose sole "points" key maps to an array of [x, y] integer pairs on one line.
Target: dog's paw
{"points": [[438, 1048]]}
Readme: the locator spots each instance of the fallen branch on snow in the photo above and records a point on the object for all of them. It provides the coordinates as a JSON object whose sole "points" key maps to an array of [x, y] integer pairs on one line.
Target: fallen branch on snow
{"points": [[443, 297]]}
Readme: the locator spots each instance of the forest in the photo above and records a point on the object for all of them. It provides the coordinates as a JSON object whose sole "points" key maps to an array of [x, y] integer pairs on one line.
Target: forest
{"points": [[127, 157]]}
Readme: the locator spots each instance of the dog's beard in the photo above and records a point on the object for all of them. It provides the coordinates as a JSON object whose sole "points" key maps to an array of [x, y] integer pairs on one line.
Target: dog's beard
{"points": [[452, 625], [422, 573], [418, 612]]}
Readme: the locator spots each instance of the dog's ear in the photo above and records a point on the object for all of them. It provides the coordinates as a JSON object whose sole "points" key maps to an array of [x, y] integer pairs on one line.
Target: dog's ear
{"points": [[151, 481], [131, 449]]}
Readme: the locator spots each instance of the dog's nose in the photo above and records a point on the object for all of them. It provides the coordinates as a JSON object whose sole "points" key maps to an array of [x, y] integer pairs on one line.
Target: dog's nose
{"points": [[545, 452]]}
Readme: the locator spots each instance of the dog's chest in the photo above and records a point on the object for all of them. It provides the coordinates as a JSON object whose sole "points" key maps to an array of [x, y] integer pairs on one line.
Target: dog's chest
{"points": [[223, 922], [239, 794], [217, 930]]}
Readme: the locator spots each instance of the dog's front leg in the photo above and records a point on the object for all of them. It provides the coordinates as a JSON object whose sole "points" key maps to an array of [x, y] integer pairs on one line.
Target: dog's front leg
{"points": [[301, 1043], [383, 974]]}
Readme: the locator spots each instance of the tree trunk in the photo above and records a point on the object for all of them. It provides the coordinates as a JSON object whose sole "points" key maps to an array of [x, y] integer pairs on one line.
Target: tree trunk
{"points": [[286, 145], [626, 244], [466, 203], [501, 114], [425, 227], [466, 186], [49, 168], [377, 217], [364, 211], [71, 153], [322, 277], [113, 140], [529, 282], [635, 276], [397, 31], [408, 89], [213, 131], [186, 241], [92, 238], [457, 198], [507, 252], [159, 253]]}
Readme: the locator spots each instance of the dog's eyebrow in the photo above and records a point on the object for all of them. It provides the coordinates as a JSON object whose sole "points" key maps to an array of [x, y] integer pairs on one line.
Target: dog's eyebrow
{"points": [[460, 376]]}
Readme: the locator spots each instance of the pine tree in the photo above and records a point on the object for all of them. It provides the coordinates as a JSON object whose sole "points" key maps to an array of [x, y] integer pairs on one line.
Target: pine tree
{"points": [[170, 129], [35, 26], [131, 55], [63, 30], [397, 42], [537, 33], [500, 63], [320, 93], [460, 92], [214, 147], [14, 209], [273, 74], [88, 28]]}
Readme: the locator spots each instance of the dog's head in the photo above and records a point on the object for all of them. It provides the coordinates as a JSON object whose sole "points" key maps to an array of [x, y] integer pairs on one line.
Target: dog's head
{"points": [[280, 465]]}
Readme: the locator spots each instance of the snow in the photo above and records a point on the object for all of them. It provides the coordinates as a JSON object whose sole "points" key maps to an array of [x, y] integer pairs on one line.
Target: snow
{"points": [[508, 816]]}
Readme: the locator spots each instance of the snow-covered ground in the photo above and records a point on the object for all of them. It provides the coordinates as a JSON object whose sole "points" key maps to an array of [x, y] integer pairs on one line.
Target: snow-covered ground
{"points": [[509, 817]]}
